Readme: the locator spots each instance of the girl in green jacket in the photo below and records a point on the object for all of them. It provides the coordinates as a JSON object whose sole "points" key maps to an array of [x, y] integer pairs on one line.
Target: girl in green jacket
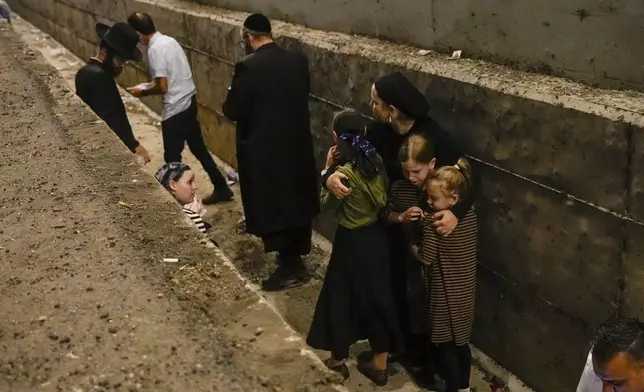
{"points": [[356, 301]]}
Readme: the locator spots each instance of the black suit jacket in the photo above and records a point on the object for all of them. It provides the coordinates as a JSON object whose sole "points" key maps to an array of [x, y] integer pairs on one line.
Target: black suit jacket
{"points": [[269, 101], [97, 88]]}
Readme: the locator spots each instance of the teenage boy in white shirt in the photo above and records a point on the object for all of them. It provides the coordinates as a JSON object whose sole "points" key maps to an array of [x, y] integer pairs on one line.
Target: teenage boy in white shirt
{"points": [[172, 78]]}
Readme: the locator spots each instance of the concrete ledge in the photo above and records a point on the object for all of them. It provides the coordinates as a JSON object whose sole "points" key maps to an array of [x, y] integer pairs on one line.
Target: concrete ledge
{"points": [[548, 36], [214, 297]]}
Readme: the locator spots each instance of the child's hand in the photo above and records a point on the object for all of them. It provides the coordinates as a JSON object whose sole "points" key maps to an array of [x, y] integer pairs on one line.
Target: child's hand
{"points": [[331, 156], [412, 214], [196, 206]]}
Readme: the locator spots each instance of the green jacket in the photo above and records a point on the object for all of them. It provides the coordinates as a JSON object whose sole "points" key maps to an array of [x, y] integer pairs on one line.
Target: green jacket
{"points": [[362, 206]]}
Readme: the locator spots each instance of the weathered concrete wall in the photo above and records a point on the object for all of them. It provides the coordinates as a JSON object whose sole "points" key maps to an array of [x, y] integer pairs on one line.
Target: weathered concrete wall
{"points": [[561, 213], [594, 41]]}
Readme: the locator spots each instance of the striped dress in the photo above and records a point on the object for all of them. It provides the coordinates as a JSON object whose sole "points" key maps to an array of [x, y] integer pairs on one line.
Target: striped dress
{"points": [[403, 195], [197, 220], [452, 262]]}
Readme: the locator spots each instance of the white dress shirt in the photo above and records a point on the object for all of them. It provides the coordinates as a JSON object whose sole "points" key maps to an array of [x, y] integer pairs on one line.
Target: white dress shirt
{"points": [[168, 60], [589, 381]]}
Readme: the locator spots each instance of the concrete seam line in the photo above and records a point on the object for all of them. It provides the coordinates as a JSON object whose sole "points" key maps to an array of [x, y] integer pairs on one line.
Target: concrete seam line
{"points": [[567, 195], [209, 55], [515, 284]]}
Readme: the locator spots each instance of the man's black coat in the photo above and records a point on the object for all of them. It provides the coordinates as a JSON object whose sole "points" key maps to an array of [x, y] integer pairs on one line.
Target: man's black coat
{"points": [[97, 88], [269, 101]]}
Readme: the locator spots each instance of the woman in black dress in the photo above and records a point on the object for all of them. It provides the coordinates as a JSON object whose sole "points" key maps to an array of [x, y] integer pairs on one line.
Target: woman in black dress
{"points": [[401, 110]]}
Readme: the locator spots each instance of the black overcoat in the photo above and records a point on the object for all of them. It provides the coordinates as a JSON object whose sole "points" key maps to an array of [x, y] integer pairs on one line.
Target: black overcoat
{"points": [[278, 178], [97, 88]]}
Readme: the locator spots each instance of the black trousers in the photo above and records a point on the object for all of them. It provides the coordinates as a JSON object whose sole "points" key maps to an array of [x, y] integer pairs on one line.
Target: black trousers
{"points": [[185, 128], [291, 244], [454, 365]]}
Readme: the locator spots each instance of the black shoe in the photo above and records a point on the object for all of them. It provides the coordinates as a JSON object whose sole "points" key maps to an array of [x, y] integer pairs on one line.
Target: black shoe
{"points": [[342, 369], [378, 377], [425, 378], [219, 197], [393, 358], [284, 278]]}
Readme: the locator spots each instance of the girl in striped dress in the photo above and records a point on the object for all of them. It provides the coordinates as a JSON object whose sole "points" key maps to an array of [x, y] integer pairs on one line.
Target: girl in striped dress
{"points": [[405, 207], [452, 264], [179, 180]]}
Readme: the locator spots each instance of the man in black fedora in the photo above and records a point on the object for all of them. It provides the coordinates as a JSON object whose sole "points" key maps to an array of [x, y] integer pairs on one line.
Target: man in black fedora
{"points": [[95, 83]]}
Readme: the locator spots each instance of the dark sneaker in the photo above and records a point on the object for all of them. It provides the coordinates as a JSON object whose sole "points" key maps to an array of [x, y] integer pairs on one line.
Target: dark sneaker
{"points": [[219, 197], [378, 377], [426, 378], [283, 279]]}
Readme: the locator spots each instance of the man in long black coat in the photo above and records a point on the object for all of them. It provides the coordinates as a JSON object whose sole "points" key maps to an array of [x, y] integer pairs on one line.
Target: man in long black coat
{"points": [[96, 86], [279, 183]]}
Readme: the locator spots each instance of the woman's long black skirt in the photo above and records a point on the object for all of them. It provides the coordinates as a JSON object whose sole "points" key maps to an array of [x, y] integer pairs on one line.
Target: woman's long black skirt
{"points": [[356, 301]]}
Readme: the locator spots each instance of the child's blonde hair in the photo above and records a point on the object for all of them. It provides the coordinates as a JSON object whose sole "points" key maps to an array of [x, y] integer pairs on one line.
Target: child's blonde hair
{"points": [[416, 148], [457, 178]]}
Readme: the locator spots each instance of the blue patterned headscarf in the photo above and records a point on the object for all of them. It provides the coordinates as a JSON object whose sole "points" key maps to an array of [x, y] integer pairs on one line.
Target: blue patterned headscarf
{"points": [[170, 172], [362, 154]]}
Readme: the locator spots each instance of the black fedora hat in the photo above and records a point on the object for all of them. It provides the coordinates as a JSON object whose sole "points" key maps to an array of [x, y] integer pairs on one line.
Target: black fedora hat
{"points": [[121, 38]]}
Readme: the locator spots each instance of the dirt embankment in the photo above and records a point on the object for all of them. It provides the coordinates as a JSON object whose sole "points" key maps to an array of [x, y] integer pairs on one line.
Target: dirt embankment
{"points": [[86, 301]]}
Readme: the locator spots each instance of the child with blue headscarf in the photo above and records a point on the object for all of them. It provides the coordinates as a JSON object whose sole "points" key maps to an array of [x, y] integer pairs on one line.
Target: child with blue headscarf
{"points": [[179, 179], [356, 301]]}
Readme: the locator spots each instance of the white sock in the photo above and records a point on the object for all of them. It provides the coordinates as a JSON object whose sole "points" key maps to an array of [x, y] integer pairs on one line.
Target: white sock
{"points": [[464, 390]]}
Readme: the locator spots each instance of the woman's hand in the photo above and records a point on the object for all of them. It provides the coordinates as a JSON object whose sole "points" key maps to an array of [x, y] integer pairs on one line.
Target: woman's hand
{"points": [[336, 187], [445, 222], [411, 215]]}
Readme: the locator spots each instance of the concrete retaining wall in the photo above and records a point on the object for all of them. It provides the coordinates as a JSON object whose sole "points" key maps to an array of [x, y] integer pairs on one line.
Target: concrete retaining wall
{"points": [[594, 41], [561, 213]]}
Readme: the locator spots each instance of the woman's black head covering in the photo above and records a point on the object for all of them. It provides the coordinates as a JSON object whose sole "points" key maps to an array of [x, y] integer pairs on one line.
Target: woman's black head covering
{"points": [[396, 90]]}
